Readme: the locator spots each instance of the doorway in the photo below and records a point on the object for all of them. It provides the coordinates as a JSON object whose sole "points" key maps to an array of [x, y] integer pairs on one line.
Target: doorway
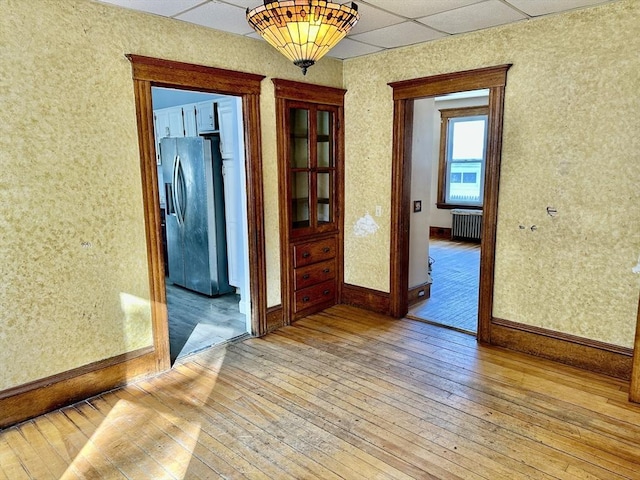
{"points": [[152, 72], [204, 234], [405, 93], [447, 178]]}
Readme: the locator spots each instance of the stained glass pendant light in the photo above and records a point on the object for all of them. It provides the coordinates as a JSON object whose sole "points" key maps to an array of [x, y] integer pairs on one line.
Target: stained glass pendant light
{"points": [[303, 30]]}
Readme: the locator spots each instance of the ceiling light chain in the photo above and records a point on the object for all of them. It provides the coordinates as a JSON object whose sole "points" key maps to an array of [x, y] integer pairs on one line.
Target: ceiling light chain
{"points": [[303, 30]]}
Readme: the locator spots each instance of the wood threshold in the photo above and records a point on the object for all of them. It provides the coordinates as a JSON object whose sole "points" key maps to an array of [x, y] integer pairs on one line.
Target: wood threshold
{"points": [[35, 398]]}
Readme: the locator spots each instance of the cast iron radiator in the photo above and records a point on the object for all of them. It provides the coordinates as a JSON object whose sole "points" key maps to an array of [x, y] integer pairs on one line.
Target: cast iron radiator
{"points": [[466, 225]]}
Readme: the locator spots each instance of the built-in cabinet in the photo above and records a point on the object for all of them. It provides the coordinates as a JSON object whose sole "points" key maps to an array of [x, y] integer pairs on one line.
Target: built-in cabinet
{"points": [[310, 158]]}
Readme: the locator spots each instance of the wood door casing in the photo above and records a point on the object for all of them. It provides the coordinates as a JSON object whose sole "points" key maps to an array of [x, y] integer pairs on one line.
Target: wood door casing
{"points": [[149, 72], [404, 93]]}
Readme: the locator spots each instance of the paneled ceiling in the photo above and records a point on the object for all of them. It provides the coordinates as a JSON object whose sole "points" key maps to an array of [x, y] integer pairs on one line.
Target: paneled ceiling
{"points": [[383, 24]]}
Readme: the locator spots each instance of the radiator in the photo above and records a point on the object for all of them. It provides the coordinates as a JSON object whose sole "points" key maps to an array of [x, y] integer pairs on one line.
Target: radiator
{"points": [[466, 225]]}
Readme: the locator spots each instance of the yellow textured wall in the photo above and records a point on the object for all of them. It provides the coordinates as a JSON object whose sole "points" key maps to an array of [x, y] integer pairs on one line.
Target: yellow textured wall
{"points": [[570, 141], [73, 259]]}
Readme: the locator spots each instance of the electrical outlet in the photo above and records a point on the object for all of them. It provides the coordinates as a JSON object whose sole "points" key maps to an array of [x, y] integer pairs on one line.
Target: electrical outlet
{"points": [[378, 210]]}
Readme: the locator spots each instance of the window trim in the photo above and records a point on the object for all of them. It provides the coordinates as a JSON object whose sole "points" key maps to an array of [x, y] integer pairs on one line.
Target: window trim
{"points": [[445, 115]]}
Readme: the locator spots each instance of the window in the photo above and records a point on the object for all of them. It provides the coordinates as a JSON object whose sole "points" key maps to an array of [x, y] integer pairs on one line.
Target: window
{"points": [[463, 147]]}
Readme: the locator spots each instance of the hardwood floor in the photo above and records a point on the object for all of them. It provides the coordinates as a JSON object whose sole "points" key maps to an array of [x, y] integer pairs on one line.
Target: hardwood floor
{"points": [[454, 291], [344, 394], [197, 321]]}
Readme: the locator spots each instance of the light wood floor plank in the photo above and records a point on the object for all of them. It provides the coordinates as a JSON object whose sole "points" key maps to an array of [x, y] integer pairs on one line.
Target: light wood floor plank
{"points": [[34, 438], [10, 463], [89, 460], [534, 446], [402, 367], [220, 457], [233, 443], [306, 441], [445, 433], [413, 425], [344, 394], [306, 431]]}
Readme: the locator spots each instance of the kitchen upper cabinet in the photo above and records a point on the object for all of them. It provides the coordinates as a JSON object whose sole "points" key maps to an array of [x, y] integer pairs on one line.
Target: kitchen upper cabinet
{"points": [[206, 117], [310, 168], [189, 121], [227, 125]]}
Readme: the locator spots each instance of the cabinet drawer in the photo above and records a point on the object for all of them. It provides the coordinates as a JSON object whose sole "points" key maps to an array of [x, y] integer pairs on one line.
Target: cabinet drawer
{"points": [[324, 292], [313, 252], [312, 274]]}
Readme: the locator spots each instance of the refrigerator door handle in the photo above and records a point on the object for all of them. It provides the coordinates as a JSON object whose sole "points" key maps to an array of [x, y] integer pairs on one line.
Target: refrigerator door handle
{"points": [[177, 190]]}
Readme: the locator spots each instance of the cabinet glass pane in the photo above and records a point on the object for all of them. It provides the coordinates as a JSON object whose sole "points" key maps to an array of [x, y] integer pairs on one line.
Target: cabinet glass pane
{"points": [[324, 198], [299, 146], [323, 139], [300, 199]]}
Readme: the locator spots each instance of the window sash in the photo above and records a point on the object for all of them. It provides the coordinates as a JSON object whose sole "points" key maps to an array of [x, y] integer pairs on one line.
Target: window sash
{"points": [[462, 179]]}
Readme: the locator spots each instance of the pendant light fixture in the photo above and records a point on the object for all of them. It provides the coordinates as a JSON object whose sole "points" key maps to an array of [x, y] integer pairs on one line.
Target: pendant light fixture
{"points": [[303, 30]]}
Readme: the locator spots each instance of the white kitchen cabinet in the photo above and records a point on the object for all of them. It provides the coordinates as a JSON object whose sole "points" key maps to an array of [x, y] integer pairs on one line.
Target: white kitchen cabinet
{"points": [[176, 124], [189, 120], [232, 211], [228, 127], [206, 120]]}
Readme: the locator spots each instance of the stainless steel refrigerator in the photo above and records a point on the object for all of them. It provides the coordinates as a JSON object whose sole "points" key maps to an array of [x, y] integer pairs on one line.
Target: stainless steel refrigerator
{"points": [[195, 223]]}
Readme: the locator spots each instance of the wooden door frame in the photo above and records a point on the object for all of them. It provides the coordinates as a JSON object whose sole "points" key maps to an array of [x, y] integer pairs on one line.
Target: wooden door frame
{"points": [[634, 388], [153, 72], [404, 93]]}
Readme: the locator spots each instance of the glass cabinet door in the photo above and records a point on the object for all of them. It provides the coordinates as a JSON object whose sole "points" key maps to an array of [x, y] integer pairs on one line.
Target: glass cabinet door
{"points": [[311, 168], [299, 160], [299, 138]]}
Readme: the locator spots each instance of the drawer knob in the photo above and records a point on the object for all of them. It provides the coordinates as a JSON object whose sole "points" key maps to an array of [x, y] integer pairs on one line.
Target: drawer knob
{"points": [[326, 292], [326, 270], [326, 249], [305, 276], [305, 299], [306, 255]]}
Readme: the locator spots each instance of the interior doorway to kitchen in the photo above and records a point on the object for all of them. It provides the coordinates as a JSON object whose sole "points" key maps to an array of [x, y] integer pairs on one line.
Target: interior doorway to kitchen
{"points": [[149, 72], [199, 148]]}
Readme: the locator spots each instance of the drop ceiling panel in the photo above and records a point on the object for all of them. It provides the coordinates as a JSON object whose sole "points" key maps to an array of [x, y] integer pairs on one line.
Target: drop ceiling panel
{"points": [[406, 33], [350, 48], [245, 3], [473, 17], [166, 9], [543, 7], [220, 16], [418, 8], [373, 18]]}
